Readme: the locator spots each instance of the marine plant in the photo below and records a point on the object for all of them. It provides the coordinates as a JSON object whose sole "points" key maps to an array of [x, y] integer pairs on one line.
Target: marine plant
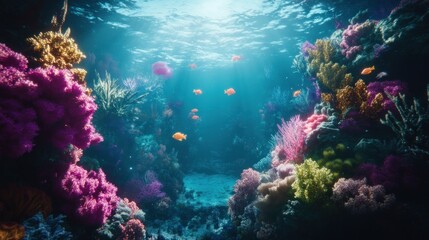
{"points": [[114, 99], [312, 182], [411, 125]]}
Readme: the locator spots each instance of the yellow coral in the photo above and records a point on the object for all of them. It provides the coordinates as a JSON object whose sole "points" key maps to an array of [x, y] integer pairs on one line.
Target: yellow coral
{"points": [[327, 98], [56, 49], [333, 76], [11, 231], [322, 54], [346, 98], [79, 75]]}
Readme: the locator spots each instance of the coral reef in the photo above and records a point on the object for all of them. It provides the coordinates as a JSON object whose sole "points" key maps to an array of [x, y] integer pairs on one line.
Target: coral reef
{"points": [[312, 182], [359, 198], [244, 192], [88, 196], [125, 211], [46, 103], [37, 227], [322, 54]]}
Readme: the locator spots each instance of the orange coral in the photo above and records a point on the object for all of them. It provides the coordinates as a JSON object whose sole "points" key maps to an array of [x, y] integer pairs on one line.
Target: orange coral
{"points": [[21, 202], [11, 231]]}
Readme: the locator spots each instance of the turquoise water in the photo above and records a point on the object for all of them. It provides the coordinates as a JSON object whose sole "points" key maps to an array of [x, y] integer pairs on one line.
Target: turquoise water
{"points": [[297, 151]]}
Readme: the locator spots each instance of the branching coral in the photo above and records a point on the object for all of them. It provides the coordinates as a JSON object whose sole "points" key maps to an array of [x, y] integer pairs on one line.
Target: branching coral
{"points": [[312, 182], [334, 76], [244, 192], [358, 38], [89, 196], [323, 53], [56, 49], [114, 99], [11, 231], [359, 198], [412, 124]]}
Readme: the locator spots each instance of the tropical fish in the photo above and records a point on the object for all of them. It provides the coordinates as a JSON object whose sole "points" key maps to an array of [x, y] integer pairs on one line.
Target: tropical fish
{"points": [[381, 75], [192, 66], [195, 117], [179, 136], [197, 91], [235, 58], [194, 110], [367, 70], [296, 93], [229, 91]]}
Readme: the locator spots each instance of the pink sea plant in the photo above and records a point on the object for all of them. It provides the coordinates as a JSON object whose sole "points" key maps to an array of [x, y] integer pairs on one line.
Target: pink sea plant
{"points": [[290, 143], [244, 192], [162, 69]]}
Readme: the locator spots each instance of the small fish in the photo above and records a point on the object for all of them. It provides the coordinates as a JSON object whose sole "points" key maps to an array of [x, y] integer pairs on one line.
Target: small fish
{"points": [[296, 93], [367, 70], [235, 58], [192, 66], [229, 91], [195, 117], [197, 91], [179, 136], [194, 110], [381, 75]]}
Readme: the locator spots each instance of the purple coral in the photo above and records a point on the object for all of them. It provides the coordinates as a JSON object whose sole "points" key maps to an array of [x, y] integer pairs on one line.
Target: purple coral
{"points": [[393, 88], [148, 190], [359, 198], [89, 196], [42, 102], [351, 43], [306, 47], [244, 192], [396, 174]]}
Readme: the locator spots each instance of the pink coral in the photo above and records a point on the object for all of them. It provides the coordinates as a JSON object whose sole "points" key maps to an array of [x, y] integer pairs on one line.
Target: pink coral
{"points": [[133, 230], [352, 37], [312, 122], [290, 142], [91, 198], [244, 192]]}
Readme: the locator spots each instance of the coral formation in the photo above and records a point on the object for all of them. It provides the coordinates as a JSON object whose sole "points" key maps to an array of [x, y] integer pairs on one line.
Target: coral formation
{"points": [[359, 198], [11, 231], [244, 192], [42, 102], [322, 54], [312, 182], [56, 49], [37, 227], [88, 196], [334, 76]]}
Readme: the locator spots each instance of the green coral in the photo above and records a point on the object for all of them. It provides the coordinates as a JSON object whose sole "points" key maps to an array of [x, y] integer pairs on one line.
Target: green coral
{"points": [[340, 167], [312, 182]]}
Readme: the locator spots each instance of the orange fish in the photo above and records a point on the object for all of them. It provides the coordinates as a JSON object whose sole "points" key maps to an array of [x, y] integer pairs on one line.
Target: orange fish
{"points": [[367, 70], [235, 58], [229, 91], [194, 110], [179, 136], [296, 93], [192, 66], [195, 117], [197, 91]]}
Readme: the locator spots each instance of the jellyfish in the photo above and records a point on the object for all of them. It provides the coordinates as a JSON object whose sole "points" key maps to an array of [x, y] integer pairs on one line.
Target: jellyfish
{"points": [[162, 69]]}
